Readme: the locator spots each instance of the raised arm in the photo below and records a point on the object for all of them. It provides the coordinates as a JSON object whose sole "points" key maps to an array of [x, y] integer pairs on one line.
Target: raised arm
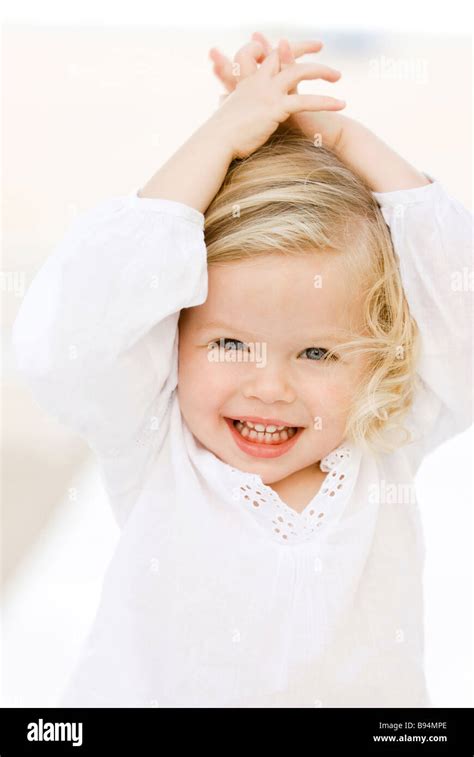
{"points": [[382, 169], [432, 235], [95, 336]]}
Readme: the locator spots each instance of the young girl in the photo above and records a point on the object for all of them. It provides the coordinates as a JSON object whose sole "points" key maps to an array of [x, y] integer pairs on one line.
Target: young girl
{"points": [[260, 372]]}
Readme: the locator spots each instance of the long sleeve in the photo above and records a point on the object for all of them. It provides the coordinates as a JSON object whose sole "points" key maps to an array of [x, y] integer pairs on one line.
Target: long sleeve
{"points": [[96, 337], [432, 237]]}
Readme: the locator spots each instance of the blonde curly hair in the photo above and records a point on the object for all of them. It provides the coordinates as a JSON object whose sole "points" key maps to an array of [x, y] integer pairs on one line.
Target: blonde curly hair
{"points": [[290, 197]]}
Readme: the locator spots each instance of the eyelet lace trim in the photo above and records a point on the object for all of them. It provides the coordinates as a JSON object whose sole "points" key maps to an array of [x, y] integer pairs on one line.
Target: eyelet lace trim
{"points": [[285, 524], [334, 457]]}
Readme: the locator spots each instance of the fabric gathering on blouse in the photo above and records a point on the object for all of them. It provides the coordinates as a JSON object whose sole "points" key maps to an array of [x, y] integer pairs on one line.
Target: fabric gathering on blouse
{"points": [[219, 594]]}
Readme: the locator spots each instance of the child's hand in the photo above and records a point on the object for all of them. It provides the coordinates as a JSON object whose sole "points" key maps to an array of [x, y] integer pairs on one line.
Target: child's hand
{"points": [[327, 124], [263, 97]]}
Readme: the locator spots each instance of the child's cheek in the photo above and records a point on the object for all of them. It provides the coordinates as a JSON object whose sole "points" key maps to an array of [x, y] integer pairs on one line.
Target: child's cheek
{"points": [[330, 398], [217, 379]]}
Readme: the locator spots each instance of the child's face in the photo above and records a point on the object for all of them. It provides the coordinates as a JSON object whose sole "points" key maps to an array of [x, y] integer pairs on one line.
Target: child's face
{"points": [[276, 314]]}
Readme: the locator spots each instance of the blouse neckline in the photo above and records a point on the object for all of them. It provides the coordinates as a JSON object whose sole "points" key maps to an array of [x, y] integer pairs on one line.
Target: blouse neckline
{"points": [[247, 492]]}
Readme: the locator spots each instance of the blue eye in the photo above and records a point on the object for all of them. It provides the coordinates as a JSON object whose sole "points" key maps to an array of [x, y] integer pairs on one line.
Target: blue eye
{"points": [[229, 344], [318, 353]]}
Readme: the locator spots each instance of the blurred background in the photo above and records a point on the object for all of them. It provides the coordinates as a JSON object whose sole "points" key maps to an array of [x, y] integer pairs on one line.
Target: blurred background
{"points": [[94, 98]]}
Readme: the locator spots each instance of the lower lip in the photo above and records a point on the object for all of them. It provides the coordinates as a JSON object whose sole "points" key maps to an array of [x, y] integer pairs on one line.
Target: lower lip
{"points": [[260, 449]]}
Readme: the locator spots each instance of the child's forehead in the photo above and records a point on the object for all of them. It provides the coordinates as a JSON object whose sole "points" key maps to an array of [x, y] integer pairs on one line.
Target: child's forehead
{"points": [[276, 292], [309, 278]]}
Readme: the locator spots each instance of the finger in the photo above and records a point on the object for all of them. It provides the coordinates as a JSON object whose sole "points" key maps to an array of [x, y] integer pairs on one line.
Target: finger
{"points": [[266, 44], [247, 58], [271, 65], [223, 68], [286, 53], [298, 103], [292, 75], [286, 59], [303, 48], [298, 49]]}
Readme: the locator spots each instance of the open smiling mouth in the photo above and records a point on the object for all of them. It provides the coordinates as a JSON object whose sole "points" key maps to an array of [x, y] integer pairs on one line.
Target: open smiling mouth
{"points": [[263, 440]]}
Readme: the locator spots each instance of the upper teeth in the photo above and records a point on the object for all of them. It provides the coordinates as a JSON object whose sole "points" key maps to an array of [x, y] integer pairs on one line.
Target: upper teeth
{"points": [[261, 427]]}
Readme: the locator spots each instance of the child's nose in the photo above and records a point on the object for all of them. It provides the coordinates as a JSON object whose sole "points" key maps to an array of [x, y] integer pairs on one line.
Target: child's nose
{"points": [[269, 384]]}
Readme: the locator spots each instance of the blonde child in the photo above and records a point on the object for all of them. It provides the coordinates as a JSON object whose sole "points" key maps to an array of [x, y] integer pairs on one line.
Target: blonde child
{"points": [[260, 346]]}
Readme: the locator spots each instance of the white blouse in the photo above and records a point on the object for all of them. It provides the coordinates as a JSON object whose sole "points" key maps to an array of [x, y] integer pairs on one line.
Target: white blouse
{"points": [[219, 594]]}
